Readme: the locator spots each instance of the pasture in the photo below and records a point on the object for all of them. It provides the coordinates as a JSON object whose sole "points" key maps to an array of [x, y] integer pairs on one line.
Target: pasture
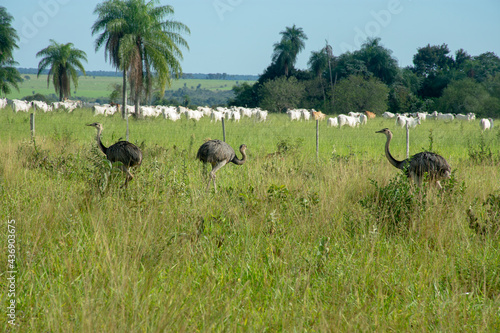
{"points": [[102, 86], [288, 243]]}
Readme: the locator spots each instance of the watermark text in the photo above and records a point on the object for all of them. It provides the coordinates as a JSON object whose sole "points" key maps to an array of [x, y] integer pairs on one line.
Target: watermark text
{"points": [[11, 271], [381, 19], [223, 6], [47, 9]]}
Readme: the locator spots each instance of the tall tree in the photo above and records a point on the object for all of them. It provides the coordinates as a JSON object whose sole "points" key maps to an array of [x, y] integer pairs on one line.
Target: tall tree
{"points": [[403, 92], [434, 65], [283, 56], [282, 93], [432, 59], [461, 58], [286, 51], [318, 63], [9, 75], [348, 64], [464, 96], [483, 66], [63, 60], [356, 93], [378, 60], [111, 22], [143, 40]]}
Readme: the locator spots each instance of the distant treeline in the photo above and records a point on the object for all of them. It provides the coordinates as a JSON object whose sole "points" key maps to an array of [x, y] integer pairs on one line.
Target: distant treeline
{"points": [[199, 76], [191, 97]]}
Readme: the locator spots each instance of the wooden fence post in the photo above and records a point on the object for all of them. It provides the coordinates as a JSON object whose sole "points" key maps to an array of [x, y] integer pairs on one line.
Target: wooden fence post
{"points": [[317, 138], [223, 130], [126, 117], [32, 125], [407, 140]]}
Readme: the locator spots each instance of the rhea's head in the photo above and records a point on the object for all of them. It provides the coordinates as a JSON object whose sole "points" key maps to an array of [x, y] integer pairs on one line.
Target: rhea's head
{"points": [[385, 131], [96, 125]]}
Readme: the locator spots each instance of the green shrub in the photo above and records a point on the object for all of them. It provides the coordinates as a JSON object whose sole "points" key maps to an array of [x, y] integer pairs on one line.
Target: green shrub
{"points": [[397, 205]]}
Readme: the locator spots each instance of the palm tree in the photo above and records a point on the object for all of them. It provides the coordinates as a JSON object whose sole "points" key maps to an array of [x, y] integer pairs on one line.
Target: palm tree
{"points": [[9, 75], [329, 54], [378, 60], [141, 41], [283, 55], [318, 62], [113, 23], [64, 60], [286, 51], [296, 36]]}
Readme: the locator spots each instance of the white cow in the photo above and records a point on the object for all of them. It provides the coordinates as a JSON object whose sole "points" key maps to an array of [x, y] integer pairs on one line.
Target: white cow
{"points": [[347, 120], [246, 112], [40, 105], [293, 114], [171, 113], [403, 120], [261, 115], [207, 111], [363, 119], [235, 115], [18, 105], [445, 116], [332, 122], [485, 124], [388, 115], [194, 114], [306, 114], [3, 103], [216, 116], [422, 115]]}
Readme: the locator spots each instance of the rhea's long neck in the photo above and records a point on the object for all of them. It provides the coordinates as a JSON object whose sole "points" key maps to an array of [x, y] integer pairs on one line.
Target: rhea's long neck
{"points": [[99, 143], [392, 160], [237, 161]]}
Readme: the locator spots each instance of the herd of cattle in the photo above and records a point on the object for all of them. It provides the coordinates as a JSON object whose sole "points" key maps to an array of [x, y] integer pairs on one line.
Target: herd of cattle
{"points": [[417, 118], [21, 105], [354, 119], [174, 113]]}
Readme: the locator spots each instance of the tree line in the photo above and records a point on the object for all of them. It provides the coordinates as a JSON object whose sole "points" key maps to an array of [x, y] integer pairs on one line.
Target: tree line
{"points": [[370, 79]]}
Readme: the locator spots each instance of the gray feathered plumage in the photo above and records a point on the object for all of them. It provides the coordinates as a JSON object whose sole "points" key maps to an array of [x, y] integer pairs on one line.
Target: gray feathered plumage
{"points": [[218, 154], [123, 151], [434, 165]]}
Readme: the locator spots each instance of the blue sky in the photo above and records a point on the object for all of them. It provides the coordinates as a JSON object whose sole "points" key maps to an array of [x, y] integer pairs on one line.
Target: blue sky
{"points": [[237, 36]]}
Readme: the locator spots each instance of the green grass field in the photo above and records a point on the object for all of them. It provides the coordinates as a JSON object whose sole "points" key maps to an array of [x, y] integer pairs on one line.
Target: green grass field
{"points": [[102, 86], [288, 243]]}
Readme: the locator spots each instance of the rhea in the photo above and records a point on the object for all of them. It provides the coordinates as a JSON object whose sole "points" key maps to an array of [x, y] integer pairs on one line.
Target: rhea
{"points": [[435, 166], [122, 151], [218, 154]]}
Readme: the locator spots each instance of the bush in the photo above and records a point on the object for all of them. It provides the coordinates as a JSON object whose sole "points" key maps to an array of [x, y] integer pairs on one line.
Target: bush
{"points": [[395, 206], [484, 219], [481, 153]]}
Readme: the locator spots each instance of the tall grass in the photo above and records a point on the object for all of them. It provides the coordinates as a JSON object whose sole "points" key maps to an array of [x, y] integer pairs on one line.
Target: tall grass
{"points": [[289, 242]]}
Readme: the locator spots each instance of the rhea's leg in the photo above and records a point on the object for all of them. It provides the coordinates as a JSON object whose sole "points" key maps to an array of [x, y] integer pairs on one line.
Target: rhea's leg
{"points": [[128, 175], [210, 176], [416, 178], [214, 170]]}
